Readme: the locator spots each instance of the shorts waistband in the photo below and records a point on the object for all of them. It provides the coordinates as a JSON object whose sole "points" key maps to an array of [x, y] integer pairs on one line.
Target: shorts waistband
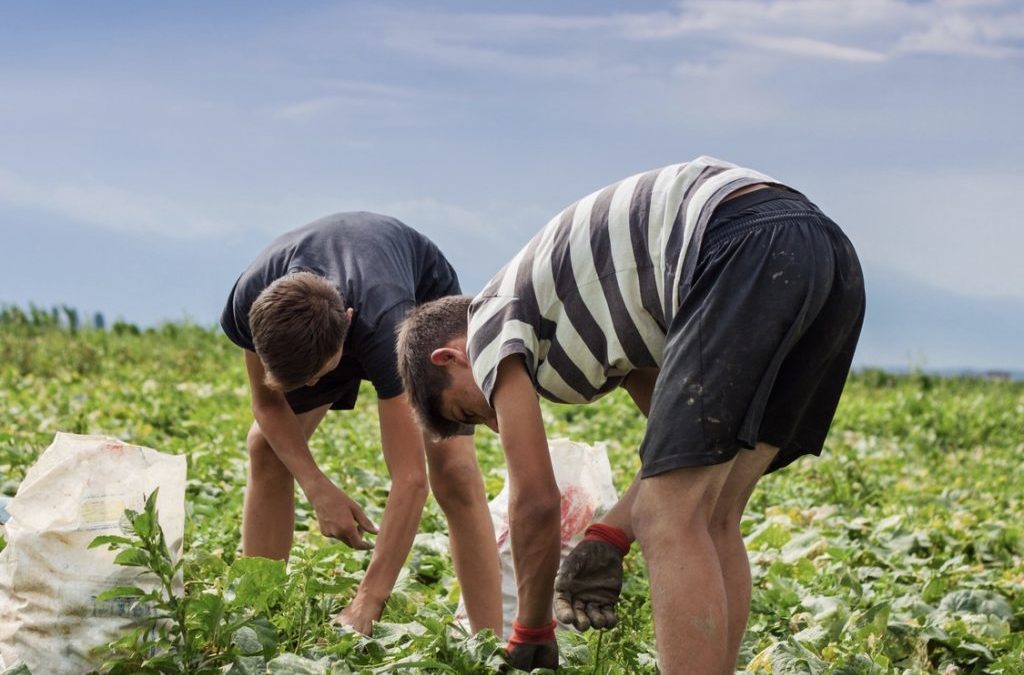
{"points": [[754, 209], [733, 207]]}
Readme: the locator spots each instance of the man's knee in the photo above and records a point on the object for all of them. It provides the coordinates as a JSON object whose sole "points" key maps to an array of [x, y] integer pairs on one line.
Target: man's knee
{"points": [[724, 523], [747, 469], [655, 518], [263, 461]]}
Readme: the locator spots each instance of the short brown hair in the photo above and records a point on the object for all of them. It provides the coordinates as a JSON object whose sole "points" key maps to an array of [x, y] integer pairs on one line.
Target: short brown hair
{"points": [[298, 324], [426, 328]]}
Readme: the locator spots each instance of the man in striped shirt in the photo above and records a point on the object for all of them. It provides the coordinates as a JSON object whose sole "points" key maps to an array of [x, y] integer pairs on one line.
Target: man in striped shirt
{"points": [[728, 306]]}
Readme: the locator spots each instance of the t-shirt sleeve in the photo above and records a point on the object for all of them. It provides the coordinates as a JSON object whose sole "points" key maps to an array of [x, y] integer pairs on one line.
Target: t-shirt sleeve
{"points": [[377, 352], [234, 325], [497, 329]]}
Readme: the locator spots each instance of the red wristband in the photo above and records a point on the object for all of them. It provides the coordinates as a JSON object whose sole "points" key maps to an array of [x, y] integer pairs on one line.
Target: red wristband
{"points": [[525, 635], [608, 534]]}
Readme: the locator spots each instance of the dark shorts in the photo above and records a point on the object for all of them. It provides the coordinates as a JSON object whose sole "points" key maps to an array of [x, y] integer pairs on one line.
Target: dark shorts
{"points": [[340, 387], [761, 346]]}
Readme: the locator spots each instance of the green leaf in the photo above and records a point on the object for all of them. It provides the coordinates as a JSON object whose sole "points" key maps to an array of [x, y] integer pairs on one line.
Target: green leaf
{"points": [[769, 535], [121, 592], [258, 583], [132, 557], [247, 641], [114, 541], [292, 664], [143, 525], [205, 612], [977, 602]]}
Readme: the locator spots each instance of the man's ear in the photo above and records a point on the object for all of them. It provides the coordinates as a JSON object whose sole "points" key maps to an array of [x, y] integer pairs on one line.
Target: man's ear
{"points": [[444, 356]]}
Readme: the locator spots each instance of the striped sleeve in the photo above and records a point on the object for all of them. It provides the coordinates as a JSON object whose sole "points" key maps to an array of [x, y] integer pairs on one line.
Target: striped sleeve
{"points": [[497, 330]]}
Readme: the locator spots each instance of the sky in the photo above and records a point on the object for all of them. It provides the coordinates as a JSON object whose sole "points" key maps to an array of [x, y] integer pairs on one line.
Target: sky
{"points": [[148, 151]]}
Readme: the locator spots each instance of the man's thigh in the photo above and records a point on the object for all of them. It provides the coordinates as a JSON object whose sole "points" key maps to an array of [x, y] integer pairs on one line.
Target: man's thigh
{"points": [[308, 422]]}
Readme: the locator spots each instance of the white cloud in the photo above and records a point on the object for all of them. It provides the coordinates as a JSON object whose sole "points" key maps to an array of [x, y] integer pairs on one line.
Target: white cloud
{"points": [[865, 31], [461, 45], [342, 96], [302, 111], [995, 36], [806, 47], [110, 207]]}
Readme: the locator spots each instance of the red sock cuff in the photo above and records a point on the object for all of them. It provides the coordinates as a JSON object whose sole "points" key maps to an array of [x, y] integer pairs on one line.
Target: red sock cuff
{"points": [[525, 635], [608, 534]]}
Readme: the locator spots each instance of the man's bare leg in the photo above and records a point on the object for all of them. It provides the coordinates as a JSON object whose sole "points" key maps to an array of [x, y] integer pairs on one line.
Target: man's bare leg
{"points": [[459, 489], [671, 516], [268, 514], [747, 469]]}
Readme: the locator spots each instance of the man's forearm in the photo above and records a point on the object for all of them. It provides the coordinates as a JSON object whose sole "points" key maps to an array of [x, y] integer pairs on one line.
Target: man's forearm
{"points": [[281, 429], [619, 515], [535, 502], [398, 527], [536, 545]]}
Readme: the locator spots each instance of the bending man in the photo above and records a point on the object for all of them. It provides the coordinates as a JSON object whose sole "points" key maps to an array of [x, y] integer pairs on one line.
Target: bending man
{"points": [[728, 306]]}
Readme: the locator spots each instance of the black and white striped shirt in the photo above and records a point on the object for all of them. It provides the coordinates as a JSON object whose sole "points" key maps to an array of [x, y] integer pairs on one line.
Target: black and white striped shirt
{"points": [[591, 296]]}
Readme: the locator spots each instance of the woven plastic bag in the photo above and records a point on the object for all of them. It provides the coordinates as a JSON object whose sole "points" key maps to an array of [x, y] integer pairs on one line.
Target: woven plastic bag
{"points": [[584, 478], [77, 490]]}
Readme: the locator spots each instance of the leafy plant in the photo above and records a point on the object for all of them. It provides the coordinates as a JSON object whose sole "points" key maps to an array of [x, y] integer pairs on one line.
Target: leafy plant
{"points": [[900, 550], [192, 633]]}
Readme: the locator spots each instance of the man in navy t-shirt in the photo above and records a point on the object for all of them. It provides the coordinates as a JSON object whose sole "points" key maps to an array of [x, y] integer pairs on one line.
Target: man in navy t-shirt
{"points": [[316, 313]]}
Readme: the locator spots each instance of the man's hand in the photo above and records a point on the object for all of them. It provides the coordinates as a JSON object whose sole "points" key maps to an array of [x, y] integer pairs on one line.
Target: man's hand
{"points": [[340, 517], [590, 579], [530, 648], [359, 615]]}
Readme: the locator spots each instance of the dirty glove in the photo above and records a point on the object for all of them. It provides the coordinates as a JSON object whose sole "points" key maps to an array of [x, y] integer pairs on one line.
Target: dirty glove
{"points": [[590, 579], [530, 648]]}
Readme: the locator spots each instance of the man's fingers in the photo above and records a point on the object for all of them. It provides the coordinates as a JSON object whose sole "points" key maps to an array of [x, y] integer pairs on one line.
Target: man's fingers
{"points": [[355, 540], [362, 520], [595, 615], [563, 609], [582, 623], [361, 544], [610, 618]]}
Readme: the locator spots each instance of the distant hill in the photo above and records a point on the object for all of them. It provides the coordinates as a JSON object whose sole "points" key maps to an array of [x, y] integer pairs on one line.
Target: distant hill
{"points": [[910, 324]]}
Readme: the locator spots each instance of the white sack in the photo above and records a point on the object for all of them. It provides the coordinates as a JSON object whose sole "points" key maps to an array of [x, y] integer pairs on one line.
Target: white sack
{"points": [[49, 578], [584, 478]]}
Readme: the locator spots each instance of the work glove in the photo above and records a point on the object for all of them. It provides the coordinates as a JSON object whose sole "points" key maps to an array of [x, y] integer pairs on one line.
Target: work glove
{"points": [[530, 648], [590, 579]]}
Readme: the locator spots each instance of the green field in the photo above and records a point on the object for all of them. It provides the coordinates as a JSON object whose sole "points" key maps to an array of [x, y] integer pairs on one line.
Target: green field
{"points": [[901, 550]]}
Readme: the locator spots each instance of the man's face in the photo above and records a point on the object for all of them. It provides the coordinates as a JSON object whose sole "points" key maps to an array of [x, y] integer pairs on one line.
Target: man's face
{"points": [[463, 402], [328, 367], [334, 360]]}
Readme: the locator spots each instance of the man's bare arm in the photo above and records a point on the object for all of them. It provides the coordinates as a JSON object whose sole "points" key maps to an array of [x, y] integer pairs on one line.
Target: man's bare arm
{"points": [[338, 515], [534, 502], [402, 445], [640, 385]]}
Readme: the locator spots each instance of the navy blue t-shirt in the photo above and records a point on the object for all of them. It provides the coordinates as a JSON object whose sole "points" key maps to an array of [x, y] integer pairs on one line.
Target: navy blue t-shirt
{"points": [[382, 268]]}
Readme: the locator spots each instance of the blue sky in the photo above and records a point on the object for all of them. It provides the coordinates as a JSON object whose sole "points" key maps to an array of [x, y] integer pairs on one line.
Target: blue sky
{"points": [[148, 152]]}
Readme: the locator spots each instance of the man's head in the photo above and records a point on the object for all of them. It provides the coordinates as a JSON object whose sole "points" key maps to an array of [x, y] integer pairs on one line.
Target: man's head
{"points": [[298, 326], [435, 369]]}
